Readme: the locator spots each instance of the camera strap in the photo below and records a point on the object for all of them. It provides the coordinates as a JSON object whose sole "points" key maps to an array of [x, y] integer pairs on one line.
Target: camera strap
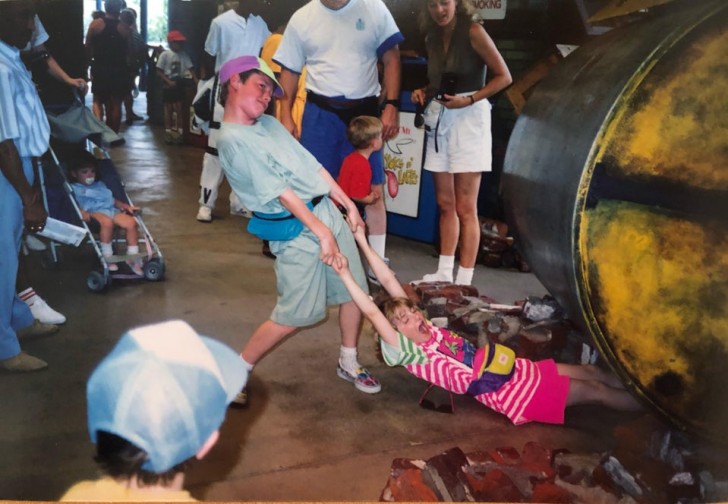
{"points": [[437, 127]]}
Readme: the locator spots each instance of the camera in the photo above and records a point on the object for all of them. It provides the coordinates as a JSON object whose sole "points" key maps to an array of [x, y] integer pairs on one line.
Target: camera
{"points": [[448, 85], [419, 117]]}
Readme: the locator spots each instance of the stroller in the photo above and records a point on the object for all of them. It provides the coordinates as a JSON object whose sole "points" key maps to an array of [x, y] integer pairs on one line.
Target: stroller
{"points": [[62, 206]]}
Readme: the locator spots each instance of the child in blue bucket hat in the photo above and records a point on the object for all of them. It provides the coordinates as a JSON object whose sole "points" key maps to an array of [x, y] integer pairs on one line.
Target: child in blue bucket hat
{"points": [[155, 403]]}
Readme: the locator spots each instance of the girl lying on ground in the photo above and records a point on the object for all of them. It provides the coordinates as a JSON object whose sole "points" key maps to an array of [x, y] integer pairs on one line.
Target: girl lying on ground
{"points": [[521, 389]]}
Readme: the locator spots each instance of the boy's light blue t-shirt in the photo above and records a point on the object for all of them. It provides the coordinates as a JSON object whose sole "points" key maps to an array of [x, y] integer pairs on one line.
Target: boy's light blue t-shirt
{"points": [[263, 159]]}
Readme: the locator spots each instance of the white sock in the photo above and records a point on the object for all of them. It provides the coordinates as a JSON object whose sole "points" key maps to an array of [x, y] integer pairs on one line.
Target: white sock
{"points": [[106, 249], [464, 276], [378, 243], [28, 295], [348, 360], [445, 266], [247, 364], [132, 249]]}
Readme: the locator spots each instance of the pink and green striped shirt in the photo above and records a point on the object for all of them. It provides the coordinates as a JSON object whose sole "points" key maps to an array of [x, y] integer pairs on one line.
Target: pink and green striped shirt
{"points": [[446, 361]]}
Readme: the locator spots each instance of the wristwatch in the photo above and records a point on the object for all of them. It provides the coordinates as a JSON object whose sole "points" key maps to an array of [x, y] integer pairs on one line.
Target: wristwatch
{"points": [[396, 102]]}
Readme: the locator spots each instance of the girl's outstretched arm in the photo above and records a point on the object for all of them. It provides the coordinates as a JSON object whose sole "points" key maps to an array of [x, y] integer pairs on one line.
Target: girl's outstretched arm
{"points": [[385, 275], [337, 194], [364, 302]]}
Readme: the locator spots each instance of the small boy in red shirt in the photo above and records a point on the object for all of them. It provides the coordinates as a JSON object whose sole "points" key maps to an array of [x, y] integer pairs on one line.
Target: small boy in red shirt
{"points": [[355, 176]]}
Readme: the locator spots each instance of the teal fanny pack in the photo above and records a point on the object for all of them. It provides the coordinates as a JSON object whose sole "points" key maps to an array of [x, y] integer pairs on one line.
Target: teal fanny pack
{"points": [[279, 226]]}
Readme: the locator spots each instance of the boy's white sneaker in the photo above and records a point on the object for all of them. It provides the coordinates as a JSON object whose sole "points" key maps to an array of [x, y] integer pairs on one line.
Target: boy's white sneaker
{"points": [[362, 380], [44, 313], [204, 214]]}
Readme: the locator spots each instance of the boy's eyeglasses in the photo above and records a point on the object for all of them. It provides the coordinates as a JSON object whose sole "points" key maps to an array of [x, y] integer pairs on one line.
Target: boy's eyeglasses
{"points": [[440, 408]]}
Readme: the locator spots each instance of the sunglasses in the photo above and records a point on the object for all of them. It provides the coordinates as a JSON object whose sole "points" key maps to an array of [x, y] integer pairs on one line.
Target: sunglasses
{"points": [[440, 408]]}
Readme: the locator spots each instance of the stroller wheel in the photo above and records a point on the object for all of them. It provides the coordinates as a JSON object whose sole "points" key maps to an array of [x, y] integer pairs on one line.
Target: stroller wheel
{"points": [[96, 282], [154, 270]]}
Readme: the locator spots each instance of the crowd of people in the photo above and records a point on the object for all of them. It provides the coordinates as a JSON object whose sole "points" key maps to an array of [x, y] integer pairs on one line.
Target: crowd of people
{"points": [[312, 188]]}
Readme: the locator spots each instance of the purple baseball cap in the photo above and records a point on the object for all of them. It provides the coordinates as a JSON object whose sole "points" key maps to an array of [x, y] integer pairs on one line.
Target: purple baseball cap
{"points": [[243, 64]]}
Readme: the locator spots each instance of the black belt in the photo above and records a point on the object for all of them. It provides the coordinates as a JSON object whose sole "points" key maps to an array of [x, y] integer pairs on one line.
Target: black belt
{"points": [[315, 201], [346, 110], [339, 103]]}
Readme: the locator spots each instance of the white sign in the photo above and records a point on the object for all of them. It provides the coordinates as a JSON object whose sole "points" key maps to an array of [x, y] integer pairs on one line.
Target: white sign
{"points": [[403, 168], [490, 9]]}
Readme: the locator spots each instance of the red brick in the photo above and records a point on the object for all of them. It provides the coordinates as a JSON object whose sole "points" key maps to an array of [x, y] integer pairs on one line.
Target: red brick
{"points": [[405, 484], [538, 459], [506, 455], [548, 492], [495, 486]]}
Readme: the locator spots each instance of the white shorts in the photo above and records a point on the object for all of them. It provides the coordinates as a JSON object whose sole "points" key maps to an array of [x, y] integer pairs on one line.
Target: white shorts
{"points": [[464, 141]]}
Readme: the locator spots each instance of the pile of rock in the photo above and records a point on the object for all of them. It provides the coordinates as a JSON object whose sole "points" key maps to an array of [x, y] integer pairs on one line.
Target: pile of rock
{"points": [[535, 328], [649, 466], [651, 463]]}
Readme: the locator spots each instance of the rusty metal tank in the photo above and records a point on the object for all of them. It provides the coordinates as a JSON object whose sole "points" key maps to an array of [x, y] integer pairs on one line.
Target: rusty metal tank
{"points": [[616, 182]]}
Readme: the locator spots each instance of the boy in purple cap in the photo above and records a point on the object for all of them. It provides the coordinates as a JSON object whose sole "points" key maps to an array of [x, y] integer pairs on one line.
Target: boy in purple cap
{"points": [[156, 403], [295, 200]]}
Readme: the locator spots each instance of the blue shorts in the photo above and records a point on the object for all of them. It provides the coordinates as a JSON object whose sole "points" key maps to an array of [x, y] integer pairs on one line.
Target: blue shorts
{"points": [[323, 134]]}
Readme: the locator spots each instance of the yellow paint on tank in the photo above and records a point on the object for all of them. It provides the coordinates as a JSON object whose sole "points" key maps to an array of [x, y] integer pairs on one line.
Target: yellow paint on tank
{"points": [[674, 123], [657, 287]]}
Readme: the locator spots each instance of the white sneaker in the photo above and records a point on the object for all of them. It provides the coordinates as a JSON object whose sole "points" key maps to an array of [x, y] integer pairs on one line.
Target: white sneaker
{"points": [[204, 214], [433, 277], [242, 212], [34, 243], [44, 313]]}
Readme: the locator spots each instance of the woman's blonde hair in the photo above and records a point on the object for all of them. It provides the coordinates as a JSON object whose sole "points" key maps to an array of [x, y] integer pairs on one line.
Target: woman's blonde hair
{"points": [[362, 130], [463, 8]]}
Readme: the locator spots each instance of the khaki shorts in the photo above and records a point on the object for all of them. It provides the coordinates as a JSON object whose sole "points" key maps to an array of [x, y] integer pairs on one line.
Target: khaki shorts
{"points": [[306, 286]]}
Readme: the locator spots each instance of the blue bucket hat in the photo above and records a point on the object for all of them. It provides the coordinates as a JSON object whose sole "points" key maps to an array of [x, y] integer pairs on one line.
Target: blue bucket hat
{"points": [[165, 389]]}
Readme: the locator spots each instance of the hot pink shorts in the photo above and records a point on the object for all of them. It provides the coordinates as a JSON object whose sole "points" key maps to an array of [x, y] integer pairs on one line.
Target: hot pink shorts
{"points": [[549, 398]]}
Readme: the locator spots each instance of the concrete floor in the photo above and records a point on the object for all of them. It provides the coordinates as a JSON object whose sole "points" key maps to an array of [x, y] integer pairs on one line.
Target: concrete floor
{"points": [[307, 435]]}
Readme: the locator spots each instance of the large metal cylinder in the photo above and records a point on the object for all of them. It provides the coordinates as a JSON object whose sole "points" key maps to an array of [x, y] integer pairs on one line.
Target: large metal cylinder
{"points": [[616, 182]]}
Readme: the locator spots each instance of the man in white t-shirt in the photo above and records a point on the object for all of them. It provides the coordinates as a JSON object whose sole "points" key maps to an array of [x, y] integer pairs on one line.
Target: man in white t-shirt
{"points": [[236, 32], [340, 43]]}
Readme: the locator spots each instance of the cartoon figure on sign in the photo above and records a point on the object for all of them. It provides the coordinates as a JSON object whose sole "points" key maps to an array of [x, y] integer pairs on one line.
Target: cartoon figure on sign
{"points": [[395, 146], [402, 165], [392, 184]]}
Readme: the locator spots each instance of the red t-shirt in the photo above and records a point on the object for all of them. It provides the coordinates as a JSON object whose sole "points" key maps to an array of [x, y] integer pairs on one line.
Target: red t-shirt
{"points": [[355, 176]]}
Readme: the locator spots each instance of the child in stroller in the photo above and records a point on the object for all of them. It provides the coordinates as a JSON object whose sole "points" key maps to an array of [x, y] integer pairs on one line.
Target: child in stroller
{"points": [[96, 201]]}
